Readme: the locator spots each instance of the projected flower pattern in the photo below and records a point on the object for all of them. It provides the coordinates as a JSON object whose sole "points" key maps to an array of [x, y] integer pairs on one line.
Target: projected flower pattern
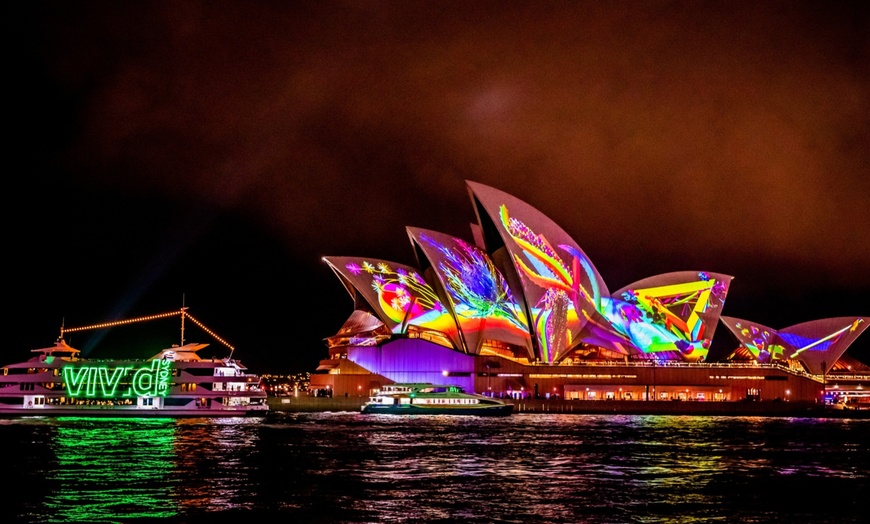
{"points": [[405, 297], [477, 288]]}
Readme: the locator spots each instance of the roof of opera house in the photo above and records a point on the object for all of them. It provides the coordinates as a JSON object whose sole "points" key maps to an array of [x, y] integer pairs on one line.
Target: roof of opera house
{"points": [[525, 282]]}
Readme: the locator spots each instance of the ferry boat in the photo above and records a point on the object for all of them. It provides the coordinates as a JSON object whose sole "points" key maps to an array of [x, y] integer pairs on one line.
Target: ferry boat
{"points": [[175, 382], [432, 399]]}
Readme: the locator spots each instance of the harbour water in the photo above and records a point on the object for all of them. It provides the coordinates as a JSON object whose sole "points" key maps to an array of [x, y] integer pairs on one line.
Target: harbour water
{"points": [[352, 468]]}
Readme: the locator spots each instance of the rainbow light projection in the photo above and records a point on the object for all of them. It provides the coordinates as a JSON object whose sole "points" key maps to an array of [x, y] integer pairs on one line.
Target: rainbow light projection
{"points": [[546, 269], [664, 318], [398, 294], [669, 316], [554, 312], [526, 282], [658, 316], [105, 382], [475, 290]]}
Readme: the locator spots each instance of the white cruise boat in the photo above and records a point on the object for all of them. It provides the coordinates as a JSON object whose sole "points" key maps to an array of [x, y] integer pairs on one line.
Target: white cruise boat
{"points": [[433, 399], [176, 382]]}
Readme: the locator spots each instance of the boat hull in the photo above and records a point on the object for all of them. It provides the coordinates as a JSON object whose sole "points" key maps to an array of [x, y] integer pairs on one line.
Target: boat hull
{"points": [[501, 410]]}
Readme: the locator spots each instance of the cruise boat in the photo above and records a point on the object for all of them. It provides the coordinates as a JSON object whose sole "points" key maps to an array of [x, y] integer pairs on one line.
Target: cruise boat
{"points": [[175, 382], [433, 399]]}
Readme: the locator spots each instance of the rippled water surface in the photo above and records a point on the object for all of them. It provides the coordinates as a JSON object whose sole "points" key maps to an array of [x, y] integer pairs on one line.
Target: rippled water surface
{"points": [[354, 468]]}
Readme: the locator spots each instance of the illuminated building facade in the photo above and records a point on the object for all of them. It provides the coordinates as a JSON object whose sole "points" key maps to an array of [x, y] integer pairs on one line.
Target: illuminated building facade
{"points": [[522, 311]]}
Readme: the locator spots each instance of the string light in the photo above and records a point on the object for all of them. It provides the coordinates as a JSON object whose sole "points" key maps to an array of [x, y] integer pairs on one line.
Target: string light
{"points": [[210, 332], [118, 323], [183, 312]]}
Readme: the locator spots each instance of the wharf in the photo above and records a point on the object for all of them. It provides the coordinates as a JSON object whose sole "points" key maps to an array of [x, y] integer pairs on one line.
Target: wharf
{"points": [[306, 404]]}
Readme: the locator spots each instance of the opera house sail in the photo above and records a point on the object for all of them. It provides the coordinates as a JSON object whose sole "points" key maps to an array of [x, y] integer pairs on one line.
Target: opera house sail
{"points": [[815, 346], [520, 309]]}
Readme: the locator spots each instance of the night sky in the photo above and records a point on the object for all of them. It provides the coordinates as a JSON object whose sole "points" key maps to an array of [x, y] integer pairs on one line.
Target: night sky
{"points": [[210, 153]]}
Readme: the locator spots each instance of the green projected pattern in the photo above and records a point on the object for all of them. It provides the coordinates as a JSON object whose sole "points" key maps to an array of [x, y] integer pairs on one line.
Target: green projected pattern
{"points": [[106, 382]]}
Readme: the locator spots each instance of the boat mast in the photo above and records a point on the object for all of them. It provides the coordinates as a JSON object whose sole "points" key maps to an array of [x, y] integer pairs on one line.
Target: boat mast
{"points": [[183, 309]]}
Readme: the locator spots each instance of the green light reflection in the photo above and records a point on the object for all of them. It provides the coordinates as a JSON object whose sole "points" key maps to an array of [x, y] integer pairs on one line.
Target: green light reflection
{"points": [[113, 467]]}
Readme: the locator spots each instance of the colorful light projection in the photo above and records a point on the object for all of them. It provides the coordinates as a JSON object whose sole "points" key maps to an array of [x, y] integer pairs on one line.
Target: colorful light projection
{"points": [[105, 382], [397, 294], [813, 343], [554, 312], [476, 291], [758, 340], [533, 276], [817, 344], [569, 302], [560, 288], [672, 312]]}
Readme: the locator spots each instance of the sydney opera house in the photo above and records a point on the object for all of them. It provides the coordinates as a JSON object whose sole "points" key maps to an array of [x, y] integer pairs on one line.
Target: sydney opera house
{"points": [[520, 311]]}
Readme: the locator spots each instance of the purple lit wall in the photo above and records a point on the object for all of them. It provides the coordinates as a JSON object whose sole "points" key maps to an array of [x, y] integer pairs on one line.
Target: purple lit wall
{"points": [[416, 360]]}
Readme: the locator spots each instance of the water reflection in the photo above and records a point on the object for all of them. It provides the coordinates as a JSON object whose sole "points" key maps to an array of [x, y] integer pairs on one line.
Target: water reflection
{"points": [[220, 451], [351, 468], [111, 467], [107, 469]]}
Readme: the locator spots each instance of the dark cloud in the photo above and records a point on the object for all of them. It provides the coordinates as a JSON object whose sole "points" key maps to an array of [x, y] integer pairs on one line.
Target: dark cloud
{"points": [[221, 148]]}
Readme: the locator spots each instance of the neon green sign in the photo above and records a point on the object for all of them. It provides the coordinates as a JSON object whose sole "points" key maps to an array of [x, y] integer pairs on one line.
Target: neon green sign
{"points": [[103, 381]]}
